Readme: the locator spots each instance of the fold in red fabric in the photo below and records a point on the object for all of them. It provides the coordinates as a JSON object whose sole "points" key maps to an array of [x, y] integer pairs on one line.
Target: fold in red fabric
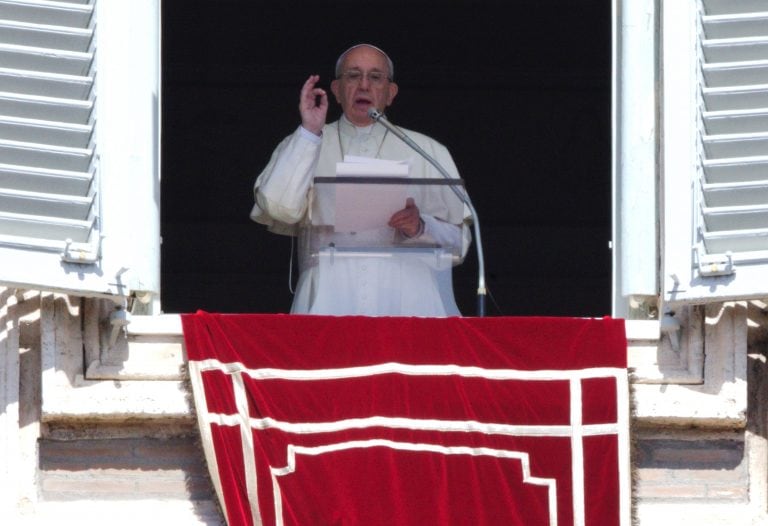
{"points": [[315, 420]]}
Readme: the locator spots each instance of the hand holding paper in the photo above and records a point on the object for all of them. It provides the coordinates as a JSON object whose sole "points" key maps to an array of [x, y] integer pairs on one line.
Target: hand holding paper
{"points": [[408, 220], [369, 206]]}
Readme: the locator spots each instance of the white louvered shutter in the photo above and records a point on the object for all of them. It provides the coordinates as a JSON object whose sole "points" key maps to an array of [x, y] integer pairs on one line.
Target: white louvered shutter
{"points": [[65, 157], [728, 248]]}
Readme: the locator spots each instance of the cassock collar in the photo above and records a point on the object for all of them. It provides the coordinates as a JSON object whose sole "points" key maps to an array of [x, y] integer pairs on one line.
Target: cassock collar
{"points": [[350, 130]]}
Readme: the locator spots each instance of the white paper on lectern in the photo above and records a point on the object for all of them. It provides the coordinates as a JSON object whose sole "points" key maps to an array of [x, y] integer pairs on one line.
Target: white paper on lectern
{"points": [[361, 207], [372, 161]]}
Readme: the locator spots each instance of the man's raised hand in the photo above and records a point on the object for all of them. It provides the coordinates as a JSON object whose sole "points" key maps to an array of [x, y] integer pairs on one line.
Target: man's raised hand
{"points": [[313, 105]]}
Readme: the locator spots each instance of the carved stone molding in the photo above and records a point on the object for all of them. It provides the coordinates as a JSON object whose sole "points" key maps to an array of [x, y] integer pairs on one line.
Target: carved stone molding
{"points": [[720, 398]]}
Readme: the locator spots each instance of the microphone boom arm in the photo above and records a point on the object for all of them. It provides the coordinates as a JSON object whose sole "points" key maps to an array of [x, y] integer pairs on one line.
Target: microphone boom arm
{"points": [[377, 116]]}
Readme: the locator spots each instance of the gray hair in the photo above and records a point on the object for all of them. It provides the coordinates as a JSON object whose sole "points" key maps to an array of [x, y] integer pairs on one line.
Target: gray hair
{"points": [[341, 58]]}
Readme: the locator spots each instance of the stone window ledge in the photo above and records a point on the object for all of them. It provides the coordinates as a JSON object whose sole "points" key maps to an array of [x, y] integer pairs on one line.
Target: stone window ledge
{"points": [[702, 382]]}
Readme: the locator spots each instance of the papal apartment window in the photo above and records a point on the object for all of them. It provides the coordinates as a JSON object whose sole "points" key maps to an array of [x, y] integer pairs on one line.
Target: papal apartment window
{"points": [[522, 104]]}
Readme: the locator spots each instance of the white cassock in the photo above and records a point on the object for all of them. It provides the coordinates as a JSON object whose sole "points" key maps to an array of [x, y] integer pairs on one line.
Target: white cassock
{"points": [[413, 283]]}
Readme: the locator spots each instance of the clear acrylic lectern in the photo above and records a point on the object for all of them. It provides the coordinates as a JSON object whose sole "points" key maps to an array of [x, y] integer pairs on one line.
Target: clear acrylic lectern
{"points": [[359, 265]]}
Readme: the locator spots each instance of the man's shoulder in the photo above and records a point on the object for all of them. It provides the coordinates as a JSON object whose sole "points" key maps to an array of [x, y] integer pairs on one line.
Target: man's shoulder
{"points": [[422, 139], [330, 126]]}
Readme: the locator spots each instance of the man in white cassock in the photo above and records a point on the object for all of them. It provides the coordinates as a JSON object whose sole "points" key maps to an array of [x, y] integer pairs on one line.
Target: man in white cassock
{"points": [[389, 283]]}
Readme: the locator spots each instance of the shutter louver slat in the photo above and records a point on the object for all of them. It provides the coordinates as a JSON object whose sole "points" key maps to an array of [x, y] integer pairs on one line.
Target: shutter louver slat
{"points": [[735, 26], [44, 59], [45, 132], [45, 204], [31, 83], [734, 99], [735, 145], [736, 170], [45, 108], [48, 37], [44, 180], [737, 194], [30, 155], [734, 122], [47, 189], [739, 241], [734, 7], [735, 74], [745, 49], [733, 189], [70, 14], [30, 228], [735, 218]]}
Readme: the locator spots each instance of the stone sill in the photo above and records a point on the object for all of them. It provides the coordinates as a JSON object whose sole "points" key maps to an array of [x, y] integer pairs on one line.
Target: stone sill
{"points": [[709, 514], [665, 396], [128, 512], [153, 386], [148, 383]]}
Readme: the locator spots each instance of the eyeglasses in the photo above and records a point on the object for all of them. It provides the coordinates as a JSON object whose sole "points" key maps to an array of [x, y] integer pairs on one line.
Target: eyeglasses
{"points": [[377, 78]]}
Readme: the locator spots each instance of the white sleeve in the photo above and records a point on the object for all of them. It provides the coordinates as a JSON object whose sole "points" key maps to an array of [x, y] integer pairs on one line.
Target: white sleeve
{"points": [[282, 188], [446, 234]]}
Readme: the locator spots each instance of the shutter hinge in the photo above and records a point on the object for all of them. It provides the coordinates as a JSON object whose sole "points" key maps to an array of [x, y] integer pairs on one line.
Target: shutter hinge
{"points": [[670, 326], [114, 326], [710, 265], [118, 321]]}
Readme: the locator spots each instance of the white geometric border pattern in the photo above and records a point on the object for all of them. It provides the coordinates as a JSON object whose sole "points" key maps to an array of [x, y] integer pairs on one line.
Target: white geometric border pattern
{"points": [[576, 430], [293, 450]]}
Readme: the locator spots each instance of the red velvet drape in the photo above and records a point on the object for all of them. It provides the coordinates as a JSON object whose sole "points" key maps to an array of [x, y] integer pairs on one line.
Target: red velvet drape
{"points": [[313, 420]]}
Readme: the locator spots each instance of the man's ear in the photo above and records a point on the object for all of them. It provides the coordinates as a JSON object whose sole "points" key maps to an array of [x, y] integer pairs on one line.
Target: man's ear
{"points": [[393, 89], [335, 89]]}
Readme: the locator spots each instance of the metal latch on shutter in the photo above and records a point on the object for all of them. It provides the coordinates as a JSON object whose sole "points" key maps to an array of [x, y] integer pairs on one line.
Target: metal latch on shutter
{"points": [[715, 264], [83, 254]]}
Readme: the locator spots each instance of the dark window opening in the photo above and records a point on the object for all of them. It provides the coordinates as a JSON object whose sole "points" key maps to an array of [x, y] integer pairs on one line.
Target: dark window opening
{"points": [[521, 99]]}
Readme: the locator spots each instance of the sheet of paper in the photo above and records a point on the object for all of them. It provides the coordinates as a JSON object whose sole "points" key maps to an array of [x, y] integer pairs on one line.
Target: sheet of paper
{"points": [[362, 206], [362, 166]]}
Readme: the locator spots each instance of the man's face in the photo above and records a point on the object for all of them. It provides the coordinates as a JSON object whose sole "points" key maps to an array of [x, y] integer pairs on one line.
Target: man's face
{"points": [[364, 83]]}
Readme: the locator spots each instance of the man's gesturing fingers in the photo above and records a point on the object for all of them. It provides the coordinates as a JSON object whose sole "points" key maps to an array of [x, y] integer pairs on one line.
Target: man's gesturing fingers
{"points": [[313, 105]]}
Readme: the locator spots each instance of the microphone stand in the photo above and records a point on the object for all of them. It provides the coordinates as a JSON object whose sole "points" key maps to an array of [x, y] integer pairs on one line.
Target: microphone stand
{"points": [[377, 116]]}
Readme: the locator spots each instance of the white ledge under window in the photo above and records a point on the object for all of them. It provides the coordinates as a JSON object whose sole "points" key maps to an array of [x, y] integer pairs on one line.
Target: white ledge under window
{"points": [[148, 384], [664, 395], [700, 383]]}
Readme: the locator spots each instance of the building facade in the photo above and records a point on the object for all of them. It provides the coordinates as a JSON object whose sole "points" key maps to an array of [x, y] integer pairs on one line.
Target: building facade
{"points": [[689, 263], [95, 411]]}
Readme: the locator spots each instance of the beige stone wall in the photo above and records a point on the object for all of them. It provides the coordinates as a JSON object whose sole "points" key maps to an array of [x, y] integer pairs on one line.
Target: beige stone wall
{"points": [[89, 428], [704, 469], [80, 450]]}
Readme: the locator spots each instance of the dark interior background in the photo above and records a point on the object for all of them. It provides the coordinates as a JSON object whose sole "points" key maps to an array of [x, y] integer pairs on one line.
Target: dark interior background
{"points": [[519, 92]]}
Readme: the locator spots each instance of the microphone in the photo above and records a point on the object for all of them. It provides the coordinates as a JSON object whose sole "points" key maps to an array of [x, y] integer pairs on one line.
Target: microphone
{"points": [[462, 194], [377, 116]]}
